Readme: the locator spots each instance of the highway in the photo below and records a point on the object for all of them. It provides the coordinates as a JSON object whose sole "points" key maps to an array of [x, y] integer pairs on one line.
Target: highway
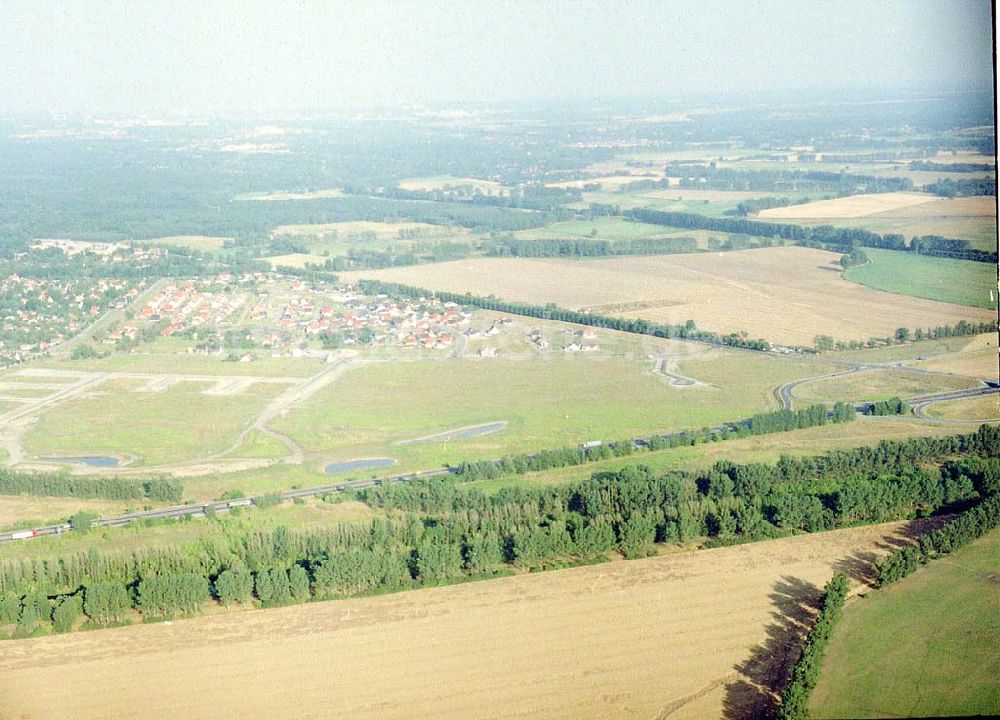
{"points": [[218, 506]]}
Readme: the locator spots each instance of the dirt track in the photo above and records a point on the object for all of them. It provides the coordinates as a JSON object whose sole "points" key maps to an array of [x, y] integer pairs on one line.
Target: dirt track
{"points": [[693, 635]]}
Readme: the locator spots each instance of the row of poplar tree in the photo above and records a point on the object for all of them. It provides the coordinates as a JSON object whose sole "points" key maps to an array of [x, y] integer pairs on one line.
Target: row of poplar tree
{"points": [[438, 531]]}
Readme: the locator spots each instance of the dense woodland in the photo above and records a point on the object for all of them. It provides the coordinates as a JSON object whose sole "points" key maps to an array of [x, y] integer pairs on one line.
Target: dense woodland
{"points": [[435, 531]]}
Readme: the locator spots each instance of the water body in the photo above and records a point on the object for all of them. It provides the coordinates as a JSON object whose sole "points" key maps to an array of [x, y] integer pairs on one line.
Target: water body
{"points": [[101, 461], [362, 464], [459, 434]]}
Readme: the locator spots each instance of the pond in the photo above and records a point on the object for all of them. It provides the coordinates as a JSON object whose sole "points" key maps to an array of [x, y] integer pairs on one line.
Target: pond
{"points": [[361, 464], [101, 461]]}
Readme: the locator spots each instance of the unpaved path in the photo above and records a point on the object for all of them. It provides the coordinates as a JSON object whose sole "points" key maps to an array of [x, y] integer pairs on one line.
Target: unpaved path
{"points": [[702, 634]]}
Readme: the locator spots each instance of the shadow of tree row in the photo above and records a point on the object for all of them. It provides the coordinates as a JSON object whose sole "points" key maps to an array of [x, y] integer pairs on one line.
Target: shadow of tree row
{"points": [[795, 604]]}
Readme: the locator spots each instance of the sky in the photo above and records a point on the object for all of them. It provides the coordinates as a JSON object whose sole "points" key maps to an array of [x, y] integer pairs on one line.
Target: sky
{"points": [[216, 55]]}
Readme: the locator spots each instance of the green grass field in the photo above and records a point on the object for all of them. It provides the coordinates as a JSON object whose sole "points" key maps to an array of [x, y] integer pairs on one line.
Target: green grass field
{"points": [[925, 646], [944, 279], [545, 403], [879, 385], [181, 423]]}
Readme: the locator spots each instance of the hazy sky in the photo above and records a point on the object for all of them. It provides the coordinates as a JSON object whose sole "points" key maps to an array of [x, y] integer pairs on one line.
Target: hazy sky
{"points": [[127, 55]]}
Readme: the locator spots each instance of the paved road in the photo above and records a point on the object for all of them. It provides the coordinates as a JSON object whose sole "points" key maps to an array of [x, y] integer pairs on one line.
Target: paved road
{"points": [[220, 506]]}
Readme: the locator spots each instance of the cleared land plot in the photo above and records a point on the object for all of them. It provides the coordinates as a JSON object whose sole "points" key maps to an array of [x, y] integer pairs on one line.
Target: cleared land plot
{"points": [[925, 646], [662, 635], [986, 407], [307, 195], [364, 228], [296, 260], [607, 182], [879, 385], [787, 295], [545, 403], [180, 423], [197, 242], [849, 207], [962, 282], [610, 228], [184, 364], [440, 182]]}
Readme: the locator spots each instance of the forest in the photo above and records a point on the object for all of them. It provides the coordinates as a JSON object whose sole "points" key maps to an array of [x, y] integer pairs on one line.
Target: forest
{"points": [[434, 531]]}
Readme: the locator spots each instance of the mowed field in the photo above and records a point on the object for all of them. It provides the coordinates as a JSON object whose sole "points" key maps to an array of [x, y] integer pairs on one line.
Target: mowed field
{"points": [[786, 294], [690, 635], [544, 403], [923, 647], [963, 282]]}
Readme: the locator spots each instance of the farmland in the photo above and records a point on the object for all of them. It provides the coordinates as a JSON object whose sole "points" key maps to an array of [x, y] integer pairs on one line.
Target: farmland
{"points": [[966, 218], [922, 647], [961, 282], [787, 295], [848, 207], [642, 619]]}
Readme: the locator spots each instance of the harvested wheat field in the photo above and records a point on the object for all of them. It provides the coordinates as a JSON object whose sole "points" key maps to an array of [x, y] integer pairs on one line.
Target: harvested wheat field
{"points": [[849, 207], [694, 635], [786, 295]]}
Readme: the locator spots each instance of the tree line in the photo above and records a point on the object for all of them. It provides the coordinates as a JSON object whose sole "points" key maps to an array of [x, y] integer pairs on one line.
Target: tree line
{"points": [[984, 475], [439, 531], [551, 312], [891, 406], [819, 236], [61, 484], [805, 672], [511, 246], [759, 424], [699, 175]]}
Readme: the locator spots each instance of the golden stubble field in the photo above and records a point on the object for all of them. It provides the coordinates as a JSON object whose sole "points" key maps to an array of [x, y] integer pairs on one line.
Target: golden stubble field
{"points": [[786, 294], [849, 207], [690, 635]]}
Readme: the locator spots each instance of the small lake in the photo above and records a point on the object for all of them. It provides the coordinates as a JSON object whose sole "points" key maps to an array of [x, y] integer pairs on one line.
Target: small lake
{"points": [[362, 464], [101, 461]]}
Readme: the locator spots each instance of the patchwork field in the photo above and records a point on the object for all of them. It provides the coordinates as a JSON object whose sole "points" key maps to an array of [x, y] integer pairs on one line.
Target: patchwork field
{"points": [[788, 294], [660, 639], [925, 646]]}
